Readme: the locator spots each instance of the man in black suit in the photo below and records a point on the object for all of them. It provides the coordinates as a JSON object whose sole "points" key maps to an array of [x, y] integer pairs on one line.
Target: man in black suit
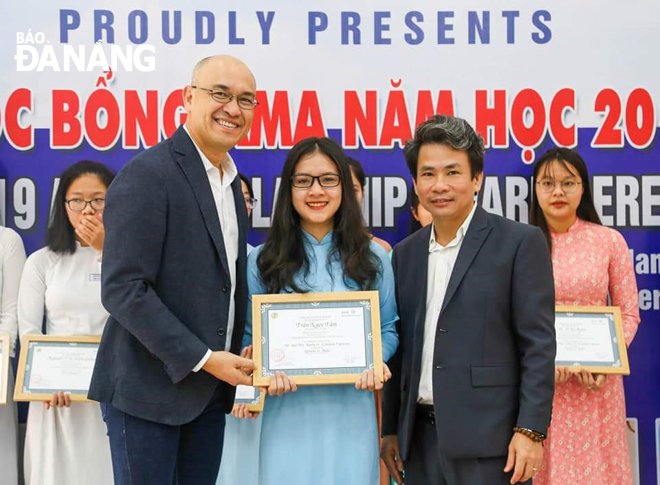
{"points": [[473, 379], [174, 283]]}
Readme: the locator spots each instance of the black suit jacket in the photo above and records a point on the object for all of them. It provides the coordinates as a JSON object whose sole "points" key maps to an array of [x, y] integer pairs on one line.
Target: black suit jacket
{"points": [[493, 363], [166, 285]]}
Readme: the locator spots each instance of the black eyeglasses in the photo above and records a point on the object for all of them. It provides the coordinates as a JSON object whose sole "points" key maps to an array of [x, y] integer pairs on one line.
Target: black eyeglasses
{"points": [[223, 97], [78, 205], [250, 201], [305, 181]]}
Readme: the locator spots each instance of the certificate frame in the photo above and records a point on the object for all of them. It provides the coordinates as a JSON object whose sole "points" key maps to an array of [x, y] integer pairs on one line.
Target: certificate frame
{"points": [[367, 300], [255, 405], [29, 343], [5, 346], [620, 363]]}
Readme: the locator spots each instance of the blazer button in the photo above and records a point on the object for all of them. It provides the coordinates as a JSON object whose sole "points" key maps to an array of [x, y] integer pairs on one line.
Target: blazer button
{"points": [[440, 367], [221, 332], [225, 288], [442, 330]]}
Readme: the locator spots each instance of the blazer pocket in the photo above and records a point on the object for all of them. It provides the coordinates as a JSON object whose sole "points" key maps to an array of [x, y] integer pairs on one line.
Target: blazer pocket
{"points": [[486, 375]]}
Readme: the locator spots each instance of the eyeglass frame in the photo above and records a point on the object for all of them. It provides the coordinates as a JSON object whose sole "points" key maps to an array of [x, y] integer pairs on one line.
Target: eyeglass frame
{"points": [[68, 204], [561, 184], [316, 178], [253, 103], [250, 201]]}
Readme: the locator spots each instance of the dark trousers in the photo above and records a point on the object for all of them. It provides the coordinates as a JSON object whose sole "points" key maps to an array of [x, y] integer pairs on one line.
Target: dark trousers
{"points": [[427, 465], [148, 453]]}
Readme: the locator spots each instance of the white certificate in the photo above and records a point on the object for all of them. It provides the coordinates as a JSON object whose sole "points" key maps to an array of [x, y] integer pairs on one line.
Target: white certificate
{"points": [[587, 339], [316, 338], [65, 367], [246, 393]]}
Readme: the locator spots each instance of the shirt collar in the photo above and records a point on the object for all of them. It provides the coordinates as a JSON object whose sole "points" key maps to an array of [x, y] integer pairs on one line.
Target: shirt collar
{"points": [[460, 234], [229, 170]]}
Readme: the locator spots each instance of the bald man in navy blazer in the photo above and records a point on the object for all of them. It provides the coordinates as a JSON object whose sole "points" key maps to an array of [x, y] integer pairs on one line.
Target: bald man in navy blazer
{"points": [[470, 399], [174, 283]]}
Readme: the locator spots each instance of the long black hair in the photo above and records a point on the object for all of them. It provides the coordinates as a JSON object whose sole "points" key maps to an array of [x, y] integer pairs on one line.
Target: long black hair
{"points": [[283, 255], [60, 235], [565, 158]]}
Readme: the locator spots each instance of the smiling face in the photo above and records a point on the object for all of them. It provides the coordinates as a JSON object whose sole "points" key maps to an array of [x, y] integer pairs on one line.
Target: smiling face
{"points": [[217, 127], [316, 205], [87, 187], [559, 208], [444, 183]]}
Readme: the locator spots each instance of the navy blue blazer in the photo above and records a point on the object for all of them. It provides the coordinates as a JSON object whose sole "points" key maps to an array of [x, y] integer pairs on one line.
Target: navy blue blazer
{"points": [[493, 362], [166, 285]]}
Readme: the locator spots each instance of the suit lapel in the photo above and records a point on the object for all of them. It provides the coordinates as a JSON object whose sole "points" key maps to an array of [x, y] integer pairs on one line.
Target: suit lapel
{"points": [[419, 265], [241, 212], [474, 239], [193, 168]]}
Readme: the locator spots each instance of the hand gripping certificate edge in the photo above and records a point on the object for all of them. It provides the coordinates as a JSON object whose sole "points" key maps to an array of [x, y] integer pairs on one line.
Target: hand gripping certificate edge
{"points": [[313, 376], [21, 374]]}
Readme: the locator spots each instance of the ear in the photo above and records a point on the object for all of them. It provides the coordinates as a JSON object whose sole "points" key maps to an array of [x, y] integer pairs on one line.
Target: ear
{"points": [[187, 95], [477, 181], [415, 187]]}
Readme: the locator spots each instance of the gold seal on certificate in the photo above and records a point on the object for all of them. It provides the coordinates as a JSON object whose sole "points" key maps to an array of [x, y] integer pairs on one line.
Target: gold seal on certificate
{"points": [[4, 365], [317, 338], [49, 364], [591, 338]]}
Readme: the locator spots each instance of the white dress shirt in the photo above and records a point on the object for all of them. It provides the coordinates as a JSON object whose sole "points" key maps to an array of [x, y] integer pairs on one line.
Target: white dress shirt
{"points": [[226, 209], [441, 265]]}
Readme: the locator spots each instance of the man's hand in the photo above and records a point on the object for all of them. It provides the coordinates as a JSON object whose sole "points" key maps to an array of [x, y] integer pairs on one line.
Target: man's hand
{"points": [[525, 457], [230, 368], [389, 453]]}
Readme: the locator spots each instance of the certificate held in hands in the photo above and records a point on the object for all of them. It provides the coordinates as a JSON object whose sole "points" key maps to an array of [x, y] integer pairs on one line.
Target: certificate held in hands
{"points": [[591, 338], [317, 338], [49, 364]]}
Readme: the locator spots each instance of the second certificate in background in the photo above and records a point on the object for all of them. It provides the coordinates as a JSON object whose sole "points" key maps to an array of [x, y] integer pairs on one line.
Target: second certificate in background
{"points": [[317, 338]]}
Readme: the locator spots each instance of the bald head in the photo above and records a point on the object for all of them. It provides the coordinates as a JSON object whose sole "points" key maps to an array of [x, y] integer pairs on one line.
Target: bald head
{"points": [[219, 62]]}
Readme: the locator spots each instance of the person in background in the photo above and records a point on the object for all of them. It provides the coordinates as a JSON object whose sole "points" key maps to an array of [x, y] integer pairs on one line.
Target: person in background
{"points": [[65, 442], [12, 259], [359, 183], [240, 452], [420, 216], [318, 243], [248, 194], [587, 440]]}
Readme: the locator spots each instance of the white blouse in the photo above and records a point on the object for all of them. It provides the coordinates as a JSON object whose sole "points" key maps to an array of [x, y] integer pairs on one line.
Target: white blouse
{"points": [[12, 259], [67, 287]]}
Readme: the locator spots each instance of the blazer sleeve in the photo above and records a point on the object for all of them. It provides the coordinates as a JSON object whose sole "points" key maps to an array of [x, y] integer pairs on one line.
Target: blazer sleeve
{"points": [[135, 222], [533, 314], [392, 388]]}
